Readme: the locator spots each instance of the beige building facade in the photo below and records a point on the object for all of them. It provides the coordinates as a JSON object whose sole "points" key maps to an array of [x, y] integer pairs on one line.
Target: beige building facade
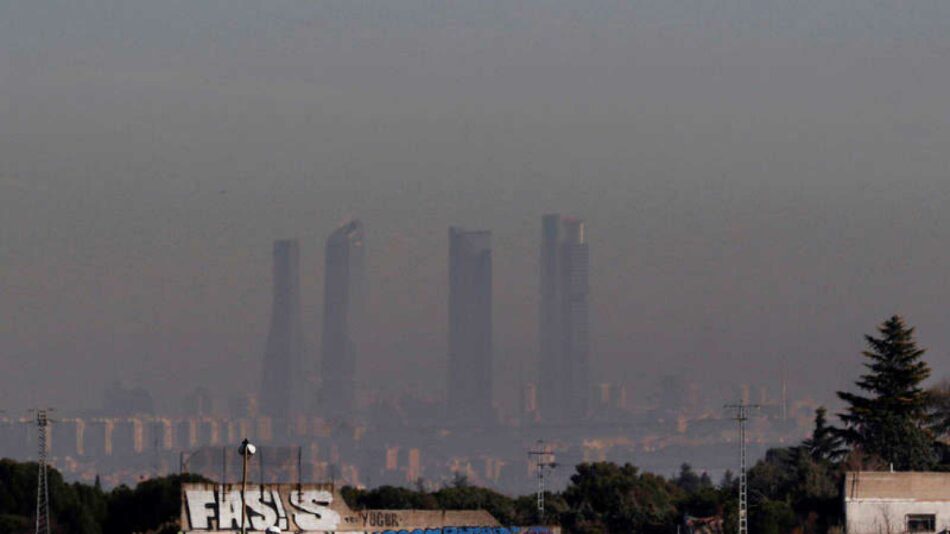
{"points": [[896, 503]]}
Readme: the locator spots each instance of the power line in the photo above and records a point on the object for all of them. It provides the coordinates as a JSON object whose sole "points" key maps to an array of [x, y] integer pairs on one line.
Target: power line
{"points": [[542, 455], [741, 415], [42, 490]]}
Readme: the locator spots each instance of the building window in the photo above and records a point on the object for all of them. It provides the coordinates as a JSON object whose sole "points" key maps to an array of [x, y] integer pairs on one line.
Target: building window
{"points": [[921, 523]]}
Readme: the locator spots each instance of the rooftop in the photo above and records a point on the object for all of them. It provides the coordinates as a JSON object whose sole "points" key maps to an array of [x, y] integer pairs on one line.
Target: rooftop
{"points": [[879, 485]]}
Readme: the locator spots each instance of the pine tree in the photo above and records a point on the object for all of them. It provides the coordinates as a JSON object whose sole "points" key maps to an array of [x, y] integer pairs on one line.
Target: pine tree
{"points": [[890, 421], [938, 409], [824, 443]]}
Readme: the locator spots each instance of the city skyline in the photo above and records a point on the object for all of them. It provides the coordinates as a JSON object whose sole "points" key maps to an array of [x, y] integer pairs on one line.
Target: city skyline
{"points": [[757, 191], [563, 381], [564, 263]]}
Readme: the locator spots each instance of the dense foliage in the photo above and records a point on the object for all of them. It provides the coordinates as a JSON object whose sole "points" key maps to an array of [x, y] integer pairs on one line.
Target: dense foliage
{"points": [[153, 505], [938, 409]]}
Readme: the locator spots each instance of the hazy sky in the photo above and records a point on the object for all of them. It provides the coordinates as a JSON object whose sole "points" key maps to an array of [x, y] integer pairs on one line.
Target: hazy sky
{"points": [[761, 178]]}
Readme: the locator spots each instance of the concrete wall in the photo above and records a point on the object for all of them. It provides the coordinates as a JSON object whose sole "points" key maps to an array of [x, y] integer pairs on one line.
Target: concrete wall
{"points": [[888, 516], [312, 508], [878, 502]]}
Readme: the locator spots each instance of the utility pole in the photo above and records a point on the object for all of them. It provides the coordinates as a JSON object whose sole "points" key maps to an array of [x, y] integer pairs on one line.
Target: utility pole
{"points": [[541, 455], [741, 415], [42, 487], [246, 450]]}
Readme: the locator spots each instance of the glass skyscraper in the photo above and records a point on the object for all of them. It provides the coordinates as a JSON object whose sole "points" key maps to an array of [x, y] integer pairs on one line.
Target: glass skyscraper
{"points": [[469, 383], [283, 357], [343, 298], [564, 373]]}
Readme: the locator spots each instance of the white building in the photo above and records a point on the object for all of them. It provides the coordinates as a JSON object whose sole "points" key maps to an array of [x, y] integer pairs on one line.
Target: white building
{"points": [[893, 503]]}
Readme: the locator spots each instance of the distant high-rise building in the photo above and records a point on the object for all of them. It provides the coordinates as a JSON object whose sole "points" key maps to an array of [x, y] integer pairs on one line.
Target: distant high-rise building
{"points": [[470, 327], [198, 402], [563, 320], [243, 405], [529, 402], [281, 372], [342, 311]]}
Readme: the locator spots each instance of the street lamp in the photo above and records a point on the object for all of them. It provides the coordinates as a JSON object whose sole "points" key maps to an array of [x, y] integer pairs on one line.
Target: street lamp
{"points": [[246, 450]]}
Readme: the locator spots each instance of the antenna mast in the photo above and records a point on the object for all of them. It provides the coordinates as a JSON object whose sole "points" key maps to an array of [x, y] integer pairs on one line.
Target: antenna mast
{"points": [[542, 455], [741, 415], [42, 489]]}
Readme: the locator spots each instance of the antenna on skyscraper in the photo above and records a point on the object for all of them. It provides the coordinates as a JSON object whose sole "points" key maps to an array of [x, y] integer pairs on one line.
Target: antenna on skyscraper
{"points": [[741, 415], [42, 422], [542, 455]]}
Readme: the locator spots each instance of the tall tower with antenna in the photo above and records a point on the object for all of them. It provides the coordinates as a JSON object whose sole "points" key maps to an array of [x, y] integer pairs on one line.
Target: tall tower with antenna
{"points": [[544, 460], [42, 489], [740, 414]]}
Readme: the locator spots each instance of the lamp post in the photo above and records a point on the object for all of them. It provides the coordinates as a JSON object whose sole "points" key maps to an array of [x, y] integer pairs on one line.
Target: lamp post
{"points": [[246, 450]]}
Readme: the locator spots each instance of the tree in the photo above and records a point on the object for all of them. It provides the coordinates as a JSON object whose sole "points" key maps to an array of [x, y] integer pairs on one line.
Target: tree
{"points": [[789, 479], [152, 506], [938, 409], [605, 497], [688, 480], [890, 421], [73, 507], [460, 480], [468, 497], [938, 421], [773, 517], [729, 481], [824, 443]]}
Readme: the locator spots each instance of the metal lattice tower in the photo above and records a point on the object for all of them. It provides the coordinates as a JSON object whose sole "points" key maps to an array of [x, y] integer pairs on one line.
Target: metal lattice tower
{"points": [[42, 489], [741, 415], [541, 454]]}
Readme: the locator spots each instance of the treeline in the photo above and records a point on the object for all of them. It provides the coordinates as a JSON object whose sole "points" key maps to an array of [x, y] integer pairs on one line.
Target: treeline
{"points": [[789, 492], [152, 506], [601, 497], [891, 421]]}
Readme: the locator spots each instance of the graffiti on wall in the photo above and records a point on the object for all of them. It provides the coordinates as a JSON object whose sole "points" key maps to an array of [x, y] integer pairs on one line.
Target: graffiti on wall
{"points": [[312, 508], [220, 509]]}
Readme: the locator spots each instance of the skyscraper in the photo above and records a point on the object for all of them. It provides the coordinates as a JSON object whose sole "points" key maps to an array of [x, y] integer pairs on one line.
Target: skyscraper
{"points": [[563, 320], [470, 327], [280, 386], [342, 310]]}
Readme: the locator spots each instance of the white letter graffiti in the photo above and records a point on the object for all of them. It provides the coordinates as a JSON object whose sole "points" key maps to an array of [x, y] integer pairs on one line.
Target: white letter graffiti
{"points": [[261, 513], [229, 510], [316, 507], [198, 511]]}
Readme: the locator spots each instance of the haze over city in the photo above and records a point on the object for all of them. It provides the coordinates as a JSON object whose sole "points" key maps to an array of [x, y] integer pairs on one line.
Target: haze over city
{"points": [[761, 183]]}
